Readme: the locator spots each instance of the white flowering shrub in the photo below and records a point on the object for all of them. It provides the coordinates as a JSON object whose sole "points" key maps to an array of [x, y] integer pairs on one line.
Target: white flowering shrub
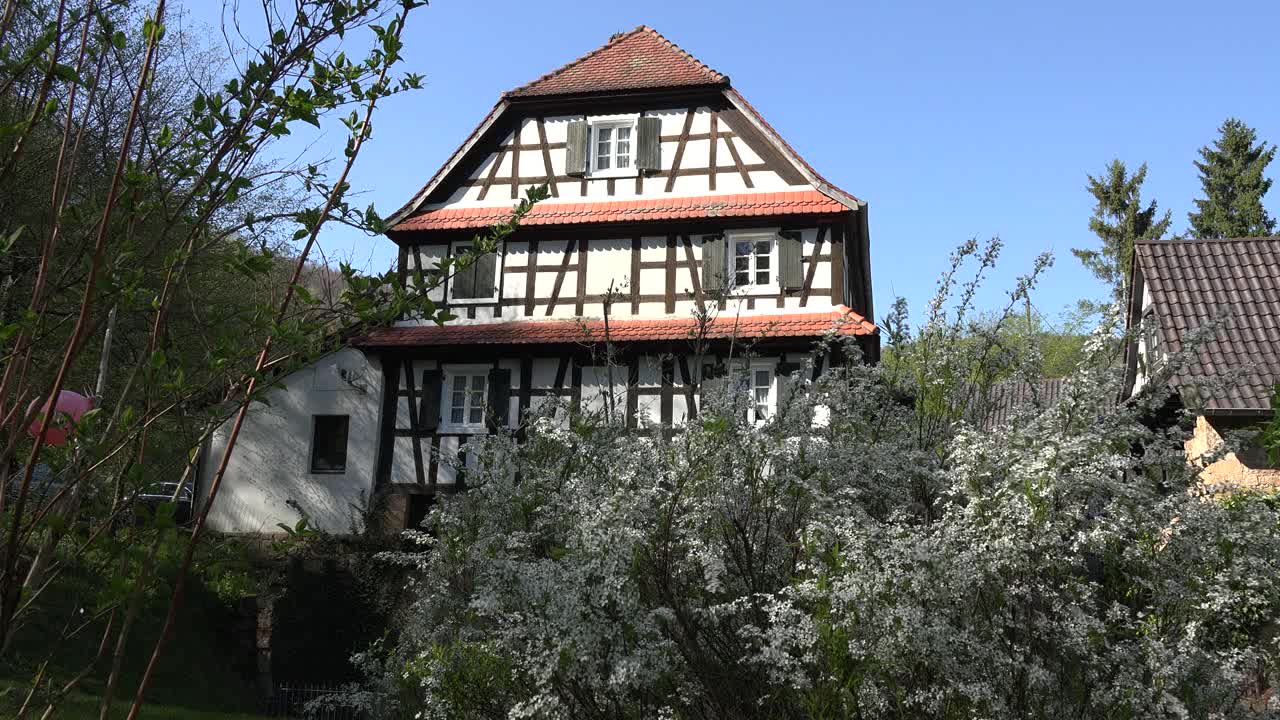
{"points": [[1063, 566]]}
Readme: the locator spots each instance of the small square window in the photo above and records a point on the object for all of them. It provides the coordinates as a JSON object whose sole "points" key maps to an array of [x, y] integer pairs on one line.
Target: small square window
{"points": [[329, 444], [753, 262], [612, 149], [466, 396]]}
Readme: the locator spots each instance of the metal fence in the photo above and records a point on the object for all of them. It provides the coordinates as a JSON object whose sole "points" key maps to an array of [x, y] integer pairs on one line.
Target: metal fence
{"points": [[329, 702]]}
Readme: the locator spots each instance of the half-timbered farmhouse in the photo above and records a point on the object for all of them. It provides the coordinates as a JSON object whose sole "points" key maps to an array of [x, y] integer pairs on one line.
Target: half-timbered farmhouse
{"points": [[677, 217]]}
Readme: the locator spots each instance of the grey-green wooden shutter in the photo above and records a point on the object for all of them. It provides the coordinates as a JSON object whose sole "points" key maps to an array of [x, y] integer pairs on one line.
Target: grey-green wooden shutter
{"points": [[486, 272], [786, 383], [429, 404], [575, 161], [499, 398], [713, 263], [790, 274], [712, 381], [464, 278], [649, 147]]}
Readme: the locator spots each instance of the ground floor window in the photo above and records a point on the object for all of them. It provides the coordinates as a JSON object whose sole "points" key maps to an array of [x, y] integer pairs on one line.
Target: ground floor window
{"points": [[465, 396], [329, 444], [757, 381]]}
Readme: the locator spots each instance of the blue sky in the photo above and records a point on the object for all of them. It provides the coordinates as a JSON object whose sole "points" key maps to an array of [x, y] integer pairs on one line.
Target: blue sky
{"points": [[953, 120]]}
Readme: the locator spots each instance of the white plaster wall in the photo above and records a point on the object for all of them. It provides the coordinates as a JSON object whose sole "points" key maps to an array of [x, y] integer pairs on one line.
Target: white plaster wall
{"points": [[697, 154], [609, 262], [595, 381], [271, 462]]}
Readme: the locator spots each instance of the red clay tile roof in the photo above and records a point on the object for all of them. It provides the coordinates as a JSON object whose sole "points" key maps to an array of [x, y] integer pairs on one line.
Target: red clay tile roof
{"points": [[545, 332], [800, 202], [1190, 280], [639, 59]]}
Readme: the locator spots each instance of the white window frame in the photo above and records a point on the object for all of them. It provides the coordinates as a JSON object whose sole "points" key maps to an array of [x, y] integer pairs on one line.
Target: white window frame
{"points": [[750, 369], [734, 237], [448, 373], [612, 122], [457, 249], [1152, 347]]}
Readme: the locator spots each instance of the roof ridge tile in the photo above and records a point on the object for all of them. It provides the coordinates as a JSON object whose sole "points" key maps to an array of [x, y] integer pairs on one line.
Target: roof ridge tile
{"points": [[680, 69]]}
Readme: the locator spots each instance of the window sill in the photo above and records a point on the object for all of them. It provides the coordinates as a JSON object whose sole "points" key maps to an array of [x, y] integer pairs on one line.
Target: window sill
{"points": [[329, 472], [611, 174], [445, 429], [474, 301], [745, 290]]}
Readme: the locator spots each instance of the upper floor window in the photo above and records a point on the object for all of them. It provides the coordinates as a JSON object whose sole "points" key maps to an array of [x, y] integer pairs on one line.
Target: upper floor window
{"points": [[478, 281], [611, 146], [753, 261], [753, 264], [1153, 351]]}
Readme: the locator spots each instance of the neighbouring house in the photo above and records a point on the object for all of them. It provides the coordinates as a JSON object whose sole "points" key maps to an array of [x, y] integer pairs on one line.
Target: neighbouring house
{"points": [[670, 194], [1009, 400], [1179, 286]]}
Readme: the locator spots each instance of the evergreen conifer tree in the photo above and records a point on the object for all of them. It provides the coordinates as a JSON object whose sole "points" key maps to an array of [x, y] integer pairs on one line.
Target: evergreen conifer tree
{"points": [[1231, 173], [1119, 220]]}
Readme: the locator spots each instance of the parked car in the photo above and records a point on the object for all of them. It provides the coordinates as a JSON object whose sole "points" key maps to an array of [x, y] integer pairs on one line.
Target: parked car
{"points": [[157, 494]]}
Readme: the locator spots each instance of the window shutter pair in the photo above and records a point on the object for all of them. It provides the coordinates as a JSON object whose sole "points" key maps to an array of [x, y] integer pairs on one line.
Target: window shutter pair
{"points": [[790, 273], [477, 280], [499, 399], [715, 266], [648, 153]]}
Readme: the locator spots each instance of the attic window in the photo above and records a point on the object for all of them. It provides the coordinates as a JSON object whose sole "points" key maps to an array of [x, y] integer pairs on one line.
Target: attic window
{"points": [[612, 147], [1153, 350]]}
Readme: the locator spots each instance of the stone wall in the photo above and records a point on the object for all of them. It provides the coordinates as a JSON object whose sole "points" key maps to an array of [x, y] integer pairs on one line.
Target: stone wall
{"points": [[1250, 471]]}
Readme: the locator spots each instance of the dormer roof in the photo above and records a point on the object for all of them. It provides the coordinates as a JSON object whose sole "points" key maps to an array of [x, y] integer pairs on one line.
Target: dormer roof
{"points": [[640, 59]]}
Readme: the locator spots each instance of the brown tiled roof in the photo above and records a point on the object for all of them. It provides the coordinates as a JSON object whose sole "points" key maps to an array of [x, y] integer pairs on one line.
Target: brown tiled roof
{"points": [[800, 202], [1006, 400], [842, 320], [1190, 280], [639, 59]]}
